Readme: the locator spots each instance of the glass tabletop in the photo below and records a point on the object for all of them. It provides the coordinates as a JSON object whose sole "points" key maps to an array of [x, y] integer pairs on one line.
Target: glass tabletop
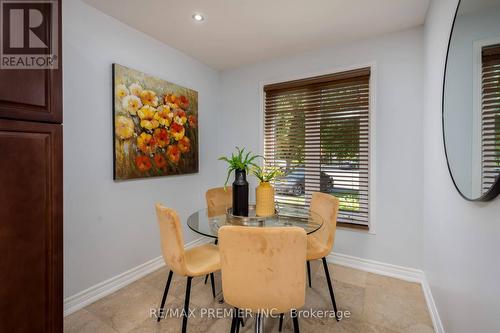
{"points": [[207, 222]]}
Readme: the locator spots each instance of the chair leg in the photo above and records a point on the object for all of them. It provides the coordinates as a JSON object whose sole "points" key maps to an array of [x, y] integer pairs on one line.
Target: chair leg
{"points": [[295, 318], [186, 304], [309, 273], [164, 298], [206, 276], [213, 284], [238, 320], [329, 281], [233, 322], [281, 323]]}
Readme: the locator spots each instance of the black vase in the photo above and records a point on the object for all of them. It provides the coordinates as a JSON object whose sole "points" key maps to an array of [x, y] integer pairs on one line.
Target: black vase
{"points": [[240, 193]]}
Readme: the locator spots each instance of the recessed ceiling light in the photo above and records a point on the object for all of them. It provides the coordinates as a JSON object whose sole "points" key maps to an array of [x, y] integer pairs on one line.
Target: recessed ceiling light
{"points": [[198, 17]]}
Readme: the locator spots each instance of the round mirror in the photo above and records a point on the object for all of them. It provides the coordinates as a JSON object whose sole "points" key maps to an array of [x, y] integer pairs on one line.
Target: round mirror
{"points": [[471, 100]]}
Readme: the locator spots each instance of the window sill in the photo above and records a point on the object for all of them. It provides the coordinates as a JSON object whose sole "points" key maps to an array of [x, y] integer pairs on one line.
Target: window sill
{"points": [[353, 227]]}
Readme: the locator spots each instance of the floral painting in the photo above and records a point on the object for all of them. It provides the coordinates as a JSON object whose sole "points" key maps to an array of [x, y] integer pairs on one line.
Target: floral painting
{"points": [[155, 126]]}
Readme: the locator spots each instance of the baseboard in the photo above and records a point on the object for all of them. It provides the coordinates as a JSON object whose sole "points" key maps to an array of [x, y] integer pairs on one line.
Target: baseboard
{"points": [[436, 320], [395, 271], [88, 296], [377, 267]]}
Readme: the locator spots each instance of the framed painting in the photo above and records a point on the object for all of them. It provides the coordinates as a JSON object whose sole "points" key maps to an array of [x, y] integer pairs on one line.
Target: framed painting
{"points": [[155, 126]]}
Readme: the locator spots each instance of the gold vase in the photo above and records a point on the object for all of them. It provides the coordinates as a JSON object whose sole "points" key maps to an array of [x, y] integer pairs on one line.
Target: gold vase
{"points": [[264, 194]]}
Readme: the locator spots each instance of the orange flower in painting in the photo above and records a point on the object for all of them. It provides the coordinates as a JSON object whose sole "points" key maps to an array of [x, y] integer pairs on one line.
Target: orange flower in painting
{"points": [[170, 98], [180, 116], [143, 163], [183, 102], [193, 122], [148, 97], [160, 161], [145, 142], [174, 154], [184, 144], [161, 137], [177, 131]]}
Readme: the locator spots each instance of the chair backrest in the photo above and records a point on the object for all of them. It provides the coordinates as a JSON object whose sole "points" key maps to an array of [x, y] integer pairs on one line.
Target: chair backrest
{"points": [[172, 240], [263, 268], [327, 206], [219, 200]]}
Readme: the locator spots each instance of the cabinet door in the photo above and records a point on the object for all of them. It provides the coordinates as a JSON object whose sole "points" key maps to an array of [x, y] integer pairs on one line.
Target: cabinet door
{"points": [[33, 94], [30, 227]]}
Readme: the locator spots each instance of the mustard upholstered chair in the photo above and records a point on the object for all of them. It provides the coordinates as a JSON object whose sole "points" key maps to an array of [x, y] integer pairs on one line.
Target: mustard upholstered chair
{"points": [[263, 270], [320, 243], [218, 201], [197, 261]]}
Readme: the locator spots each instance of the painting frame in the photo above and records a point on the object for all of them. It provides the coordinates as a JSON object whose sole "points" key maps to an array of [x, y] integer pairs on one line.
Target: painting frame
{"points": [[155, 129]]}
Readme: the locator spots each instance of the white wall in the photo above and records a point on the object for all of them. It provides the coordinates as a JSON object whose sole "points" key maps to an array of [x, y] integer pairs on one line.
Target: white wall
{"points": [[460, 238], [111, 227], [398, 195]]}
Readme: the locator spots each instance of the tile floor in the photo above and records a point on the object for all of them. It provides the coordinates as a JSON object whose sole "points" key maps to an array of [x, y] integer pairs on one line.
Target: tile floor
{"points": [[377, 304]]}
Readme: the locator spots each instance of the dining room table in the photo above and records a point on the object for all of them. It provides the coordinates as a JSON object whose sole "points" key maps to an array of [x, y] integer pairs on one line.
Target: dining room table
{"points": [[207, 222]]}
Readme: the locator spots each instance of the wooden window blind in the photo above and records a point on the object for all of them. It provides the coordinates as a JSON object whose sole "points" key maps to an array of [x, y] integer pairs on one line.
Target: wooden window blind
{"points": [[318, 130], [490, 117]]}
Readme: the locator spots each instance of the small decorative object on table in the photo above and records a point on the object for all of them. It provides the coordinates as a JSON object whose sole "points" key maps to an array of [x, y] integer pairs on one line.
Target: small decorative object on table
{"points": [[240, 164], [264, 193]]}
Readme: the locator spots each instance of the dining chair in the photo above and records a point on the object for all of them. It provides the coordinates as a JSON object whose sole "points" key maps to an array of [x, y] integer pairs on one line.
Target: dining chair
{"points": [[320, 243], [219, 199], [197, 261], [263, 271]]}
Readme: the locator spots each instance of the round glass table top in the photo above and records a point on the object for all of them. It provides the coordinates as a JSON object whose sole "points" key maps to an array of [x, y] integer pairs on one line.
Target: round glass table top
{"points": [[208, 221]]}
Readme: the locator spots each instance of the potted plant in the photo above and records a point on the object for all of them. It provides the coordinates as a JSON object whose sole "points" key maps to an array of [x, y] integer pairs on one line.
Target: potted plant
{"points": [[264, 193], [240, 163]]}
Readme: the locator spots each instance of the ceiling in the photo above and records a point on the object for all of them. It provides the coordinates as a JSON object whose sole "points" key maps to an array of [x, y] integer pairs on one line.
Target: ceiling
{"points": [[239, 32]]}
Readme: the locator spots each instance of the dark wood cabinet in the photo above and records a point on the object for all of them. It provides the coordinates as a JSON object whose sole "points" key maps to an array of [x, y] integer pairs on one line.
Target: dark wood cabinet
{"points": [[30, 227], [31, 199]]}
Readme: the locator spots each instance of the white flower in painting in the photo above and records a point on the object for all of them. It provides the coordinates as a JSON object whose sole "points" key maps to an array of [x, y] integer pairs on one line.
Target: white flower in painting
{"points": [[135, 89], [121, 91], [131, 104]]}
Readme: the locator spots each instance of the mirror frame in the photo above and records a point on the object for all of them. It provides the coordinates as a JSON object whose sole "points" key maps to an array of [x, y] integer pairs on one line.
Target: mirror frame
{"points": [[495, 188]]}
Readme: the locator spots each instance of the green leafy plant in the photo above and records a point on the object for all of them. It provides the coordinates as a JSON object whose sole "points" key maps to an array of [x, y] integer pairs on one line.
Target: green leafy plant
{"points": [[239, 161], [267, 174]]}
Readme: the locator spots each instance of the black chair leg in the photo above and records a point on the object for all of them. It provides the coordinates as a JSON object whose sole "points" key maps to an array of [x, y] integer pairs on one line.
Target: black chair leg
{"points": [[213, 284], [281, 323], [309, 273], [206, 276], [186, 305], [164, 298], [235, 321], [329, 281], [296, 328]]}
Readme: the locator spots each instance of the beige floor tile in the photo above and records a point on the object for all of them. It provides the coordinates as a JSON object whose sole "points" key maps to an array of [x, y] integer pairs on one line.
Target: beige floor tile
{"points": [[372, 328], [376, 304], [419, 328], [348, 275], [395, 286], [83, 321], [393, 311], [129, 306]]}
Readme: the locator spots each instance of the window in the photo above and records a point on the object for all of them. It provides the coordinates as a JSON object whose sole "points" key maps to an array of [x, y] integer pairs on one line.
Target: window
{"points": [[490, 115], [318, 130]]}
